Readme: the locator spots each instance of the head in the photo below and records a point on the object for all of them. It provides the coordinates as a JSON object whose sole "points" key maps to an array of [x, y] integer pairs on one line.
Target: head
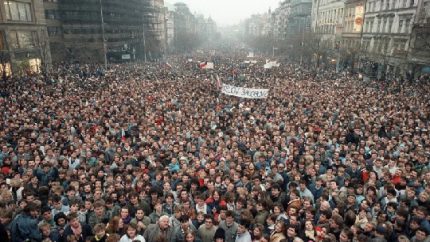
{"points": [[208, 221], [163, 222], [132, 230], [99, 230], [243, 226]]}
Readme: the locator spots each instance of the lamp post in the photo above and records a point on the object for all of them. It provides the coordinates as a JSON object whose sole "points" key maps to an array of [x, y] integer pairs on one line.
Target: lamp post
{"points": [[103, 34]]}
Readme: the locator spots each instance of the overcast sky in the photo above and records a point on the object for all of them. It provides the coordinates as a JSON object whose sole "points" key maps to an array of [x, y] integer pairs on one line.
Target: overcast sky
{"points": [[227, 12]]}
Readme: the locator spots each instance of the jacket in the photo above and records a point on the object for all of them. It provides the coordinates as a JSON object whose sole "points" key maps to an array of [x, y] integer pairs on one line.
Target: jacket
{"points": [[153, 232], [24, 227]]}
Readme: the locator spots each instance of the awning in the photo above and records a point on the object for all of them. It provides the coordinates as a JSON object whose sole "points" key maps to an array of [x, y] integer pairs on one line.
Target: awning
{"points": [[426, 69]]}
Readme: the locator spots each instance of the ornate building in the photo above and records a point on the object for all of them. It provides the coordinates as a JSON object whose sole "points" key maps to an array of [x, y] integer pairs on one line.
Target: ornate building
{"points": [[419, 53], [386, 41], [23, 41], [352, 33], [91, 31]]}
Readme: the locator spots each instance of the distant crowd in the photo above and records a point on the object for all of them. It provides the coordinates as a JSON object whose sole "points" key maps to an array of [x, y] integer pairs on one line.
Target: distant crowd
{"points": [[154, 152]]}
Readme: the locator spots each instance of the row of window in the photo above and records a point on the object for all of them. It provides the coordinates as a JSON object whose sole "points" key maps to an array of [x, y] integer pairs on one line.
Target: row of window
{"points": [[326, 29], [381, 5], [331, 16], [18, 11], [384, 46], [22, 39], [385, 25]]}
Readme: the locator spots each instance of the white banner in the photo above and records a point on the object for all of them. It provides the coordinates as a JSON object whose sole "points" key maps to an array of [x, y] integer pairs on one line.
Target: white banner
{"points": [[244, 92], [270, 64], [206, 65]]}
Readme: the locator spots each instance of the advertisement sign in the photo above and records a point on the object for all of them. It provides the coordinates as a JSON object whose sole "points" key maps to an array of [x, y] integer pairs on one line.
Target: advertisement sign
{"points": [[358, 20]]}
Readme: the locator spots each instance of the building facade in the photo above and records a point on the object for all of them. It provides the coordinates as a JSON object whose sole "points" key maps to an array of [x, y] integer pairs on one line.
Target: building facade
{"points": [[327, 24], [386, 39], [154, 24], [299, 18], [351, 33], [328, 21], [258, 25], [97, 31], [280, 20], [24, 39], [419, 53], [298, 32], [170, 30], [185, 28]]}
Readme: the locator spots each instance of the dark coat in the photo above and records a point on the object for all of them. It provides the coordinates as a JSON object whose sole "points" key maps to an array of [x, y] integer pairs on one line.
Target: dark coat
{"points": [[86, 232]]}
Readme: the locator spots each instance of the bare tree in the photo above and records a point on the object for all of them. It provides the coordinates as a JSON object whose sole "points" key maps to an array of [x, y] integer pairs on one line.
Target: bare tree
{"points": [[4, 61], [45, 54]]}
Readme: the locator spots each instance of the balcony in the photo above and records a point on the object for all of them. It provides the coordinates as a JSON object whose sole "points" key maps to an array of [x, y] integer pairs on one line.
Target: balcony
{"points": [[400, 53]]}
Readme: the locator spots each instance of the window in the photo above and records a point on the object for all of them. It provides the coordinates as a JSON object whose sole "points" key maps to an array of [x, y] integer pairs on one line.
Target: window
{"points": [[18, 11], [22, 39], [54, 31], [400, 26], [51, 14], [379, 25], [2, 46], [384, 24], [408, 22], [390, 24]]}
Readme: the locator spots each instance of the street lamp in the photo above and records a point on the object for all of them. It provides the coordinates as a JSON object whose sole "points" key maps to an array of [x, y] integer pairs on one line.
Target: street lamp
{"points": [[103, 34]]}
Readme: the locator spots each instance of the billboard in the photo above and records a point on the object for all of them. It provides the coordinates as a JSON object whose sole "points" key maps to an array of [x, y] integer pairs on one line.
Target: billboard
{"points": [[358, 19]]}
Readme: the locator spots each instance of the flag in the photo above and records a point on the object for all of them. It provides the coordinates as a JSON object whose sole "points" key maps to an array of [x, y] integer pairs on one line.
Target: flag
{"points": [[218, 82], [202, 65], [122, 135]]}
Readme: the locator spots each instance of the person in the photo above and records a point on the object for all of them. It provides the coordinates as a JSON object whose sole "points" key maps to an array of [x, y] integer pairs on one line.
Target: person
{"points": [[206, 231], [132, 235], [25, 225], [357, 147], [161, 228], [309, 231], [60, 223], [257, 233], [113, 238], [278, 234], [74, 228], [190, 237], [99, 232], [243, 234], [99, 214], [45, 230], [292, 232], [229, 226], [3, 233], [183, 229], [141, 220], [115, 226]]}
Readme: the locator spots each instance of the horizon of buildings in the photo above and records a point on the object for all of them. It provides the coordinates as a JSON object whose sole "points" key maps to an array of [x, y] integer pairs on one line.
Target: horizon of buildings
{"points": [[380, 38], [35, 34]]}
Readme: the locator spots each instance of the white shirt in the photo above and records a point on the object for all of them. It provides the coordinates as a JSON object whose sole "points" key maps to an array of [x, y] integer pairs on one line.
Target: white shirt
{"points": [[245, 237], [203, 209], [125, 238]]}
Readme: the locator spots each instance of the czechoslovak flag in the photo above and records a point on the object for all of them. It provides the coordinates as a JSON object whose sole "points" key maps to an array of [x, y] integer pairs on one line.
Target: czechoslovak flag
{"points": [[203, 64]]}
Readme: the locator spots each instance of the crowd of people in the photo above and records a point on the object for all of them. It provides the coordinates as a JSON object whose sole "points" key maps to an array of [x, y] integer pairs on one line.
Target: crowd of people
{"points": [[155, 152]]}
